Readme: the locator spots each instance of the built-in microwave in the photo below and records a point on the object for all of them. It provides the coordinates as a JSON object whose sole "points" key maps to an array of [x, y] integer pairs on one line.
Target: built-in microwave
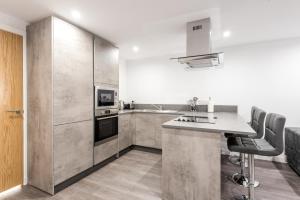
{"points": [[106, 97]]}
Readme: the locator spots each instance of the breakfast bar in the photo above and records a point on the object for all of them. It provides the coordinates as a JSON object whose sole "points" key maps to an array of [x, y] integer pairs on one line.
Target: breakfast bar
{"points": [[191, 154]]}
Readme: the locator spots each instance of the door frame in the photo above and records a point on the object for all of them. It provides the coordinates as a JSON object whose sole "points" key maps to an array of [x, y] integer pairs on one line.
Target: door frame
{"points": [[16, 26]]}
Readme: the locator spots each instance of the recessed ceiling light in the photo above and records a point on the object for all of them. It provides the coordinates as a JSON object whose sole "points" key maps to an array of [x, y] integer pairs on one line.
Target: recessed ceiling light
{"points": [[135, 49], [75, 14], [226, 34]]}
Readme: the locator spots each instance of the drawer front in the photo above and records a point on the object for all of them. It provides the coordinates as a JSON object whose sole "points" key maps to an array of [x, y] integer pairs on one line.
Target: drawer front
{"points": [[105, 150]]}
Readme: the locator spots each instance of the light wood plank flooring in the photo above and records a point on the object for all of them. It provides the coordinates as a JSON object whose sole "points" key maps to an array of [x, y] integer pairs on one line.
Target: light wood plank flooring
{"points": [[136, 176]]}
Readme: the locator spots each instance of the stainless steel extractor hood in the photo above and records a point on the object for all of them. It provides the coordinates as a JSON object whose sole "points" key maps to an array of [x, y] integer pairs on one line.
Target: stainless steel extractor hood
{"points": [[198, 47]]}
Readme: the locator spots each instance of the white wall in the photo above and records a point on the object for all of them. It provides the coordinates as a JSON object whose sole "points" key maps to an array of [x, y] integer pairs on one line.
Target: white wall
{"points": [[14, 25], [122, 79], [263, 74]]}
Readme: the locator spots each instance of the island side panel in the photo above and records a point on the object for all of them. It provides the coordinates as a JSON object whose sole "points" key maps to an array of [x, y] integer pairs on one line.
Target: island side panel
{"points": [[191, 165]]}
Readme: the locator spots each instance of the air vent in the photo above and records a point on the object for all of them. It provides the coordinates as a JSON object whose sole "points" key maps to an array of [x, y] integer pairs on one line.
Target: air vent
{"points": [[198, 27]]}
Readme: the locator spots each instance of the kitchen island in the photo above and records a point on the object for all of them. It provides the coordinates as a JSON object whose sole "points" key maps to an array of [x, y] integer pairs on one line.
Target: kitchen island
{"points": [[191, 155]]}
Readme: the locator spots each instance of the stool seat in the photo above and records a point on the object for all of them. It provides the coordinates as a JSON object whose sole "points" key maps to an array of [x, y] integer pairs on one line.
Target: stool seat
{"points": [[251, 146], [270, 145]]}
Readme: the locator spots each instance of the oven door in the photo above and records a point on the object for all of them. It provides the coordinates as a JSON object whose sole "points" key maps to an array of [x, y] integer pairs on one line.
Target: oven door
{"points": [[105, 127]]}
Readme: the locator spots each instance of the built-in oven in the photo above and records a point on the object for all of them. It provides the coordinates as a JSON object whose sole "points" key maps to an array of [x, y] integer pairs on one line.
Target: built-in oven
{"points": [[106, 97], [106, 127]]}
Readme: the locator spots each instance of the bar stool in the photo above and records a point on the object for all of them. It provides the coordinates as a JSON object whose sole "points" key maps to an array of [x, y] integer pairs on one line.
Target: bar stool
{"points": [[271, 145], [257, 122]]}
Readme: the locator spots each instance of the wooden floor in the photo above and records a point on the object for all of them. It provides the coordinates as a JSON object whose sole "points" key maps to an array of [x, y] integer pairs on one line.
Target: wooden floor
{"points": [[136, 176]]}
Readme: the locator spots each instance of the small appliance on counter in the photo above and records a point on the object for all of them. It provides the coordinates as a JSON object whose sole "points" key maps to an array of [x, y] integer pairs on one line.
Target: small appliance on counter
{"points": [[126, 106], [129, 106]]}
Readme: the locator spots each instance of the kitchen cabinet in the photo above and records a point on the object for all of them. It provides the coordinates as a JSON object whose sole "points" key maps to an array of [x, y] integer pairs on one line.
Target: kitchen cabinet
{"points": [[72, 73], [159, 120], [106, 62], [126, 130], [145, 129], [73, 149], [105, 150], [148, 129], [60, 102]]}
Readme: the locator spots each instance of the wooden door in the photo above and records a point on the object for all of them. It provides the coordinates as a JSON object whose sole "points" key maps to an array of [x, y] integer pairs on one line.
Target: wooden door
{"points": [[11, 110]]}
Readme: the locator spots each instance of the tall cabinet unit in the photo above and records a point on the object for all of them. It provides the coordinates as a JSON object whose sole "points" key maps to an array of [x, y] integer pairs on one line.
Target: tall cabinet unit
{"points": [[106, 75], [60, 102]]}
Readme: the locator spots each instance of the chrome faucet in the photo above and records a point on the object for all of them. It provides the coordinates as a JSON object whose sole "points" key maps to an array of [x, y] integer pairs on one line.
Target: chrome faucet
{"points": [[157, 107]]}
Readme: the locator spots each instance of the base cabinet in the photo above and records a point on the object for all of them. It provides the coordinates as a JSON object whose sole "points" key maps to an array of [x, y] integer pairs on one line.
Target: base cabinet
{"points": [[159, 120], [105, 150], [73, 149], [126, 130], [145, 130], [148, 129]]}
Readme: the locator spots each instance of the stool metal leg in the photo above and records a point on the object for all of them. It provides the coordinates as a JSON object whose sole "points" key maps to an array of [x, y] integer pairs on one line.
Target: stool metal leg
{"points": [[251, 177], [240, 178], [251, 180]]}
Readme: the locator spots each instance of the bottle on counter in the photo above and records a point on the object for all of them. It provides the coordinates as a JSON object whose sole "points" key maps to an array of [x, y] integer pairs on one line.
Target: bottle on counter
{"points": [[121, 105], [132, 105], [210, 106]]}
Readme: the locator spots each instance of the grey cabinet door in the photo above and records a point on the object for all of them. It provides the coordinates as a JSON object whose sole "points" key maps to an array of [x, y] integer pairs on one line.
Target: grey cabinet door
{"points": [[106, 62], [73, 149], [105, 150], [72, 73], [126, 130], [145, 130], [148, 129], [159, 120]]}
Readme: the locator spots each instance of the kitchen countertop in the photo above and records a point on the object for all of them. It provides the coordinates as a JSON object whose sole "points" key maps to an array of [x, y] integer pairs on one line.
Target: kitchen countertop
{"points": [[225, 122], [172, 112]]}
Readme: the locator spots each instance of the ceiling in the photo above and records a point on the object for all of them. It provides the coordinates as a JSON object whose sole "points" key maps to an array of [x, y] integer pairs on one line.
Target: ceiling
{"points": [[157, 27]]}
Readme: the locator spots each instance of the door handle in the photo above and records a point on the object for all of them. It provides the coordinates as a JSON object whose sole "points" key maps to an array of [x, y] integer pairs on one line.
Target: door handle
{"points": [[19, 112]]}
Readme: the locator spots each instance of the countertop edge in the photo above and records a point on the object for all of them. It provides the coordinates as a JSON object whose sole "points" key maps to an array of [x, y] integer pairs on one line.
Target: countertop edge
{"points": [[209, 130]]}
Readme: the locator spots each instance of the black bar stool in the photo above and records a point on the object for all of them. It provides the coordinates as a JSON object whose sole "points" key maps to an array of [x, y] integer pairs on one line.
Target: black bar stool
{"points": [[257, 122], [271, 145]]}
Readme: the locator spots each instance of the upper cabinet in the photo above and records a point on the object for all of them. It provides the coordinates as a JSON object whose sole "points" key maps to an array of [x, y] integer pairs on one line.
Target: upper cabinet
{"points": [[73, 73], [106, 62]]}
